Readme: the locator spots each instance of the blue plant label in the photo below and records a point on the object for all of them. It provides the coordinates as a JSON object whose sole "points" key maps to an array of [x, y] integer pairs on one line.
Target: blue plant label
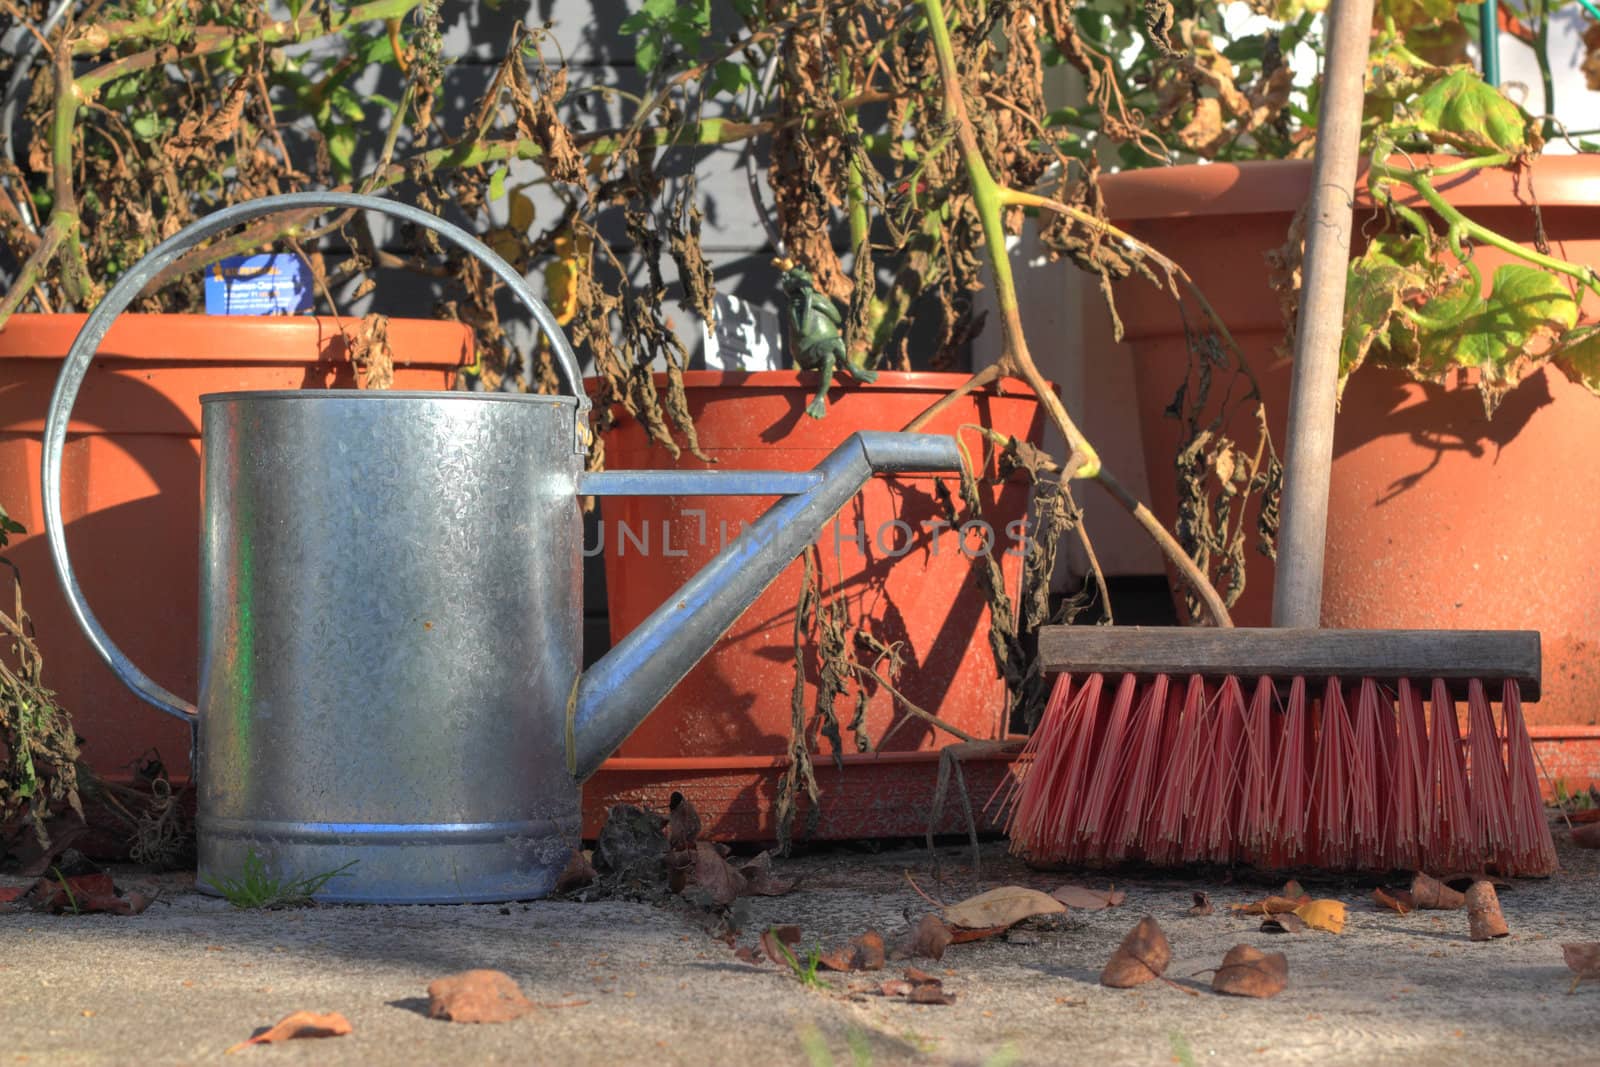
{"points": [[265, 284]]}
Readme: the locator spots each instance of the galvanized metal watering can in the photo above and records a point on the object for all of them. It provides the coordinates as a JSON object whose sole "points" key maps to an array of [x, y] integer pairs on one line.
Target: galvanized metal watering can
{"points": [[390, 611]]}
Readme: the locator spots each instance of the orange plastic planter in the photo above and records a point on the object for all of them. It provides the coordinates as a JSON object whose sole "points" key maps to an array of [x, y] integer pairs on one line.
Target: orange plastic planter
{"points": [[131, 488], [722, 736], [1439, 517]]}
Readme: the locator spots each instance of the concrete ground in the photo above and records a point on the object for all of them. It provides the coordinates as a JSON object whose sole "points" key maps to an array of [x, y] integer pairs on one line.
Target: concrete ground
{"points": [[639, 983]]}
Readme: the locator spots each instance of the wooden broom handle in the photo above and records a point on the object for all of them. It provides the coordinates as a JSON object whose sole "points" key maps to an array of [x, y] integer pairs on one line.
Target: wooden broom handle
{"points": [[1302, 538]]}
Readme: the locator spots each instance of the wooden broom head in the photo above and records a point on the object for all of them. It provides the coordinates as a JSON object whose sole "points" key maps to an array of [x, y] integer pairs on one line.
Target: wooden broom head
{"points": [[1454, 656]]}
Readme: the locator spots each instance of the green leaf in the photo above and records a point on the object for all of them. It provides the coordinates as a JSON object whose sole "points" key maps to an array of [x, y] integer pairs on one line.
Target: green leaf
{"points": [[8, 526], [497, 184], [371, 48], [349, 104], [146, 127], [342, 149], [1460, 109], [730, 77], [647, 54], [1526, 306]]}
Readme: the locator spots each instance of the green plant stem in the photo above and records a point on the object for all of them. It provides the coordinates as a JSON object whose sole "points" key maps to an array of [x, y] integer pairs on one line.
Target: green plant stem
{"points": [[207, 40], [1460, 224], [1541, 52], [986, 195], [64, 211], [990, 198], [1394, 42]]}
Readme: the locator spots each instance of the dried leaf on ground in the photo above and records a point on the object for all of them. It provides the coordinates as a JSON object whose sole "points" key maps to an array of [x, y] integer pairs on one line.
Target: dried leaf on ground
{"points": [[683, 822], [760, 881], [1484, 919], [1286, 923], [1583, 957], [479, 996], [1086, 899], [1293, 890], [1142, 957], [863, 953], [928, 939], [1587, 836], [1249, 972], [1273, 905], [999, 909], [711, 871], [300, 1024], [918, 987], [578, 873], [1323, 915], [1587, 815], [1396, 900], [960, 935], [778, 943], [1202, 905], [86, 894], [1430, 894]]}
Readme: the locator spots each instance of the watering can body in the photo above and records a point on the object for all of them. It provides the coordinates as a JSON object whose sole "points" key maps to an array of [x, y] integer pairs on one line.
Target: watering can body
{"points": [[390, 614], [390, 632]]}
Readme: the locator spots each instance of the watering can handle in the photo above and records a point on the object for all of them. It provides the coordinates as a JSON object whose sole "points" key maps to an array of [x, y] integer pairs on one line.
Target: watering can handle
{"points": [[127, 289]]}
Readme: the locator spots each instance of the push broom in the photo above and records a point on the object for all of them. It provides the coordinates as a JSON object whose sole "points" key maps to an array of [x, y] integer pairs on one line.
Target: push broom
{"points": [[1291, 746]]}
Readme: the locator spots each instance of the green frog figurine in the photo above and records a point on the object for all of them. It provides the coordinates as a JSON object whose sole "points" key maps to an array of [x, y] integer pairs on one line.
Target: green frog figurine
{"points": [[813, 322]]}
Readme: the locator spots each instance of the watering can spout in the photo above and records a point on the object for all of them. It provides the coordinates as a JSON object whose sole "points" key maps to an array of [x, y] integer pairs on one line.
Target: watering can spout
{"points": [[614, 695]]}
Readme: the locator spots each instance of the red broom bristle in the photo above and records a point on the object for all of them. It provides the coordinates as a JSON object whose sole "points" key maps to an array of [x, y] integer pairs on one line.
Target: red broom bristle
{"points": [[1532, 847], [1174, 809], [1450, 835], [1330, 784], [1389, 750], [1369, 778], [1490, 791], [1410, 783], [1035, 770], [1255, 792], [1290, 800], [1094, 814], [1219, 803], [1138, 782], [1176, 774]]}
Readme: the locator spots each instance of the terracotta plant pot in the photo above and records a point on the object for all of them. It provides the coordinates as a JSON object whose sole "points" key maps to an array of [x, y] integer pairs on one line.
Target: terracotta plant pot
{"points": [[1439, 517], [131, 488], [722, 736]]}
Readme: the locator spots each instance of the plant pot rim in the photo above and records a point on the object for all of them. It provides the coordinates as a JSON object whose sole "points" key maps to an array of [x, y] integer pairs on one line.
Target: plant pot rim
{"points": [[192, 337], [898, 381], [1280, 186]]}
